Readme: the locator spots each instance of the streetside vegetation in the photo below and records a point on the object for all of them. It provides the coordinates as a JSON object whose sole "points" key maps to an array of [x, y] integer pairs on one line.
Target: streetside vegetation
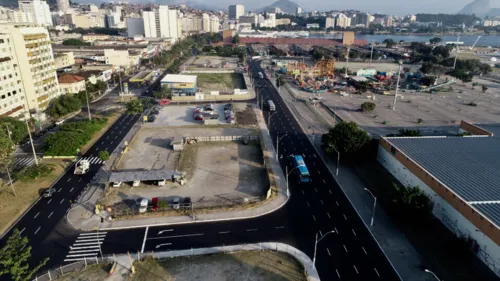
{"points": [[34, 172], [17, 129], [345, 137], [64, 105], [368, 106], [72, 136], [135, 106]]}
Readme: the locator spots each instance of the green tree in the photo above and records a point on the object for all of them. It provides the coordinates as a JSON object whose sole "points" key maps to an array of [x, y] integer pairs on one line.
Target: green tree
{"points": [[75, 42], [6, 157], [17, 128], [484, 88], [409, 133], [15, 256], [345, 137], [411, 202], [236, 39], [135, 106], [389, 43], [428, 80], [64, 105], [368, 106], [435, 40], [104, 155], [474, 84], [164, 93]]}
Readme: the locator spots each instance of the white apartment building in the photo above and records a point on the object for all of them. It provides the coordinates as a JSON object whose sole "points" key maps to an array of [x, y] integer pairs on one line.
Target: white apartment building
{"points": [[161, 23], [29, 78], [8, 15], [192, 23], [330, 22], [122, 58], [149, 19], [492, 22], [39, 11], [342, 21], [206, 22], [236, 11], [214, 24], [63, 5]]}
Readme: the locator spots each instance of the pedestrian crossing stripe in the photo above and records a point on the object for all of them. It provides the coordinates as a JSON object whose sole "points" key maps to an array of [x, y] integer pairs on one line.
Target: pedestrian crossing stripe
{"points": [[22, 162], [92, 160], [86, 246]]}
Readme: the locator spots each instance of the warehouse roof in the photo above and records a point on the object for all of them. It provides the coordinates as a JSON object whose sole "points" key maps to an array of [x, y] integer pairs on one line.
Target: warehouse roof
{"points": [[468, 166], [178, 78]]}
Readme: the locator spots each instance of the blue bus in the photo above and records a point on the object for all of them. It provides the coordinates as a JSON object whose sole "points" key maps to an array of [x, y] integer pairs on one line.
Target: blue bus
{"points": [[301, 168]]}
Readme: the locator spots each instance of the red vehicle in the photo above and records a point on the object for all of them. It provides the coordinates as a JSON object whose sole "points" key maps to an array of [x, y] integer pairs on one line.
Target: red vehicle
{"points": [[268, 77], [155, 203], [164, 102]]}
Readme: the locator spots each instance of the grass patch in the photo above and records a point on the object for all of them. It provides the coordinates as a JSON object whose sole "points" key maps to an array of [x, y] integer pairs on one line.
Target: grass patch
{"points": [[220, 81], [187, 162], [11, 207], [95, 272], [245, 265]]}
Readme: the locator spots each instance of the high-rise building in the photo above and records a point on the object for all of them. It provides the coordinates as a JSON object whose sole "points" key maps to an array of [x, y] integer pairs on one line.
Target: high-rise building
{"points": [[30, 79], [63, 5], [206, 22], [236, 11], [342, 21], [135, 27], [162, 23], [39, 11], [330, 23], [299, 11], [149, 20], [388, 21], [8, 15], [214, 24], [362, 19]]}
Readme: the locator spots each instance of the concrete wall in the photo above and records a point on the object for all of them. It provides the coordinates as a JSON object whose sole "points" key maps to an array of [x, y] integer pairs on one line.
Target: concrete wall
{"points": [[447, 212]]}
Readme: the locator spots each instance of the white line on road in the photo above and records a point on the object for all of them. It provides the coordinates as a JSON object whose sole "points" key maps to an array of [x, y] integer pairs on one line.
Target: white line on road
{"points": [[37, 229], [355, 268], [328, 252], [80, 180], [354, 232], [324, 181], [71, 189], [253, 229], [315, 189], [314, 218], [93, 233], [308, 204], [61, 201], [82, 255], [48, 202], [364, 250], [344, 216], [337, 273], [36, 215], [224, 232], [337, 202], [376, 272], [328, 214], [166, 230], [176, 236], [302, 191], [144, 241], [59, 189], [50, 214], [321, 202], [336, 231], [164, 244], [69, 179], [318, 172], [279, 227], [345, 248], [83, 244], [329, 190], [85, 247], [82, 251], [22, 230]]}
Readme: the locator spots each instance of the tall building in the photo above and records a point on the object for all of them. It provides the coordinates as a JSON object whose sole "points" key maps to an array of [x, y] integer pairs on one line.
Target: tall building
{"points": [[162, 23], [330, 23], [39, 11], [8, 15], [342, 21], [236, 11], [214, 24], [362, 19], [30, 79], [63, 5], [299, 11], [388, 21], [149, 20], [206, 22], [135, 26]]}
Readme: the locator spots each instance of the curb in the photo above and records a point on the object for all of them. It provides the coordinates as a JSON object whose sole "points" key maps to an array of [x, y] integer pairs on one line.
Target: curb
{"points": [[341, 188]]}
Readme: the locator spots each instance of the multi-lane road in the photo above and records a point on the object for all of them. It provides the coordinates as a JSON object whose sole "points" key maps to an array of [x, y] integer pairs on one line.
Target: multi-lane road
{"points": [[349, 252]]}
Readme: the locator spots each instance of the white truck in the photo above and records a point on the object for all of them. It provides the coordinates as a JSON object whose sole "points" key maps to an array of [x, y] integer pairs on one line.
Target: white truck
{"points": [[82, 167]]}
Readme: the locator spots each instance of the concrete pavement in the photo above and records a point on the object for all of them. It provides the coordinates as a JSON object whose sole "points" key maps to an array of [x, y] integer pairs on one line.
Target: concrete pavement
{"points": [[396, 246], [82, 215]]}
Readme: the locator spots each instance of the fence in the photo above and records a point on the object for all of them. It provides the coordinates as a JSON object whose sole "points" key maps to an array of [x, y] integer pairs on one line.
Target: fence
{"points": [[224, 138], [69, 268]]}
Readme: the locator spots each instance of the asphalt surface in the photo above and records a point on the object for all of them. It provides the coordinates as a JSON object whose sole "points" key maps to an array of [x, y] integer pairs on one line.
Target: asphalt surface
{"points": [[349, 252]]}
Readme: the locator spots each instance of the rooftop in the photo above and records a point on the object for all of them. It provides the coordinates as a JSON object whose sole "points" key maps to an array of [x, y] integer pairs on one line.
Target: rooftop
{"points": [[468, 166], [177, 78], [70, 78]]}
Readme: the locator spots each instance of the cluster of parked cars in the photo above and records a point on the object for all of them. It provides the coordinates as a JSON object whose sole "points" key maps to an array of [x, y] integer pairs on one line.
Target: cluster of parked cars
{"points": [[205, 112], [154, 113], [229, 112], [176, 203]]}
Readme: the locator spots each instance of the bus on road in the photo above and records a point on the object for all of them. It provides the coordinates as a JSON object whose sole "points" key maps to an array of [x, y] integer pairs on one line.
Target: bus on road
{"points": [[300, 167]]}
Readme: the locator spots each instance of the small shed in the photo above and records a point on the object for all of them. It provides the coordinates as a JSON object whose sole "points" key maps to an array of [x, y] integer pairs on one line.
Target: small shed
{"points": [[177, 143]]}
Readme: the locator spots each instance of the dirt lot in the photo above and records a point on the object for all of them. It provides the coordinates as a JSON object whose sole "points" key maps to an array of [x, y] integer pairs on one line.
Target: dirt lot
{"points": [[218, 173], [222, 82], [440, 113], [92, 273], [241, 266], [198, 62]]}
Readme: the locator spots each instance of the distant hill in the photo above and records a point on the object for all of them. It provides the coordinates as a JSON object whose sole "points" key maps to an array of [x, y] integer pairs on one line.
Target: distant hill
{"points": [[286, 6], [480, 8]]}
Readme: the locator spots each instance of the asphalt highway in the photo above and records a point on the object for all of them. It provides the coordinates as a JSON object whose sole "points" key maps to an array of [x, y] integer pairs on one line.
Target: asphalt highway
{"points": [[348, 252]]}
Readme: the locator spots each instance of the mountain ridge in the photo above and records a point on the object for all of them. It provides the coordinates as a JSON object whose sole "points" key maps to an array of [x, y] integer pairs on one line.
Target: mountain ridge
{"points": [[286, 6]]}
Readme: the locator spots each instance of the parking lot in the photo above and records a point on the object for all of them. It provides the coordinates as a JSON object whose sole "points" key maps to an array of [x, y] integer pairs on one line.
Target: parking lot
{"points": [[212, 63]]}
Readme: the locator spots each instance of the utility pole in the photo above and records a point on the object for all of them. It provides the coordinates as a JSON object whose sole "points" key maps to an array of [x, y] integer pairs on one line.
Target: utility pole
{"points": [[397, 85], [456, 52], [88, 106], [371, 54], [31, 141], [347, 60], [6, 165]]}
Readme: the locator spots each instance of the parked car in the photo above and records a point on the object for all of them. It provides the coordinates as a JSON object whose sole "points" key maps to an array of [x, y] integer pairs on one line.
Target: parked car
{"points": [[117, 184], [176, 203], [228, 106], [49, 192], [210, 115], [151, 118], [199, 117], [143, 204], [186, 202]]}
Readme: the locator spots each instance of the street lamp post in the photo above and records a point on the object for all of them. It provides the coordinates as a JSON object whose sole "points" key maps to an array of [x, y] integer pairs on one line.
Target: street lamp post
{"points": [[287, 174], [316, 245], [371, 53], [397, 85], [277, 144], [347, 61], [435, 276], [6, 165], [88, 106], [97, 233], [374, 205], [269, 119], [31, 141]]}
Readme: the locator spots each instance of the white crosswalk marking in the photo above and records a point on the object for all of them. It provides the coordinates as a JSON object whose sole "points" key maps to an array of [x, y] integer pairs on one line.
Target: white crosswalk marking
{"points": [[23, 162], [87, 245], [92, 160]]}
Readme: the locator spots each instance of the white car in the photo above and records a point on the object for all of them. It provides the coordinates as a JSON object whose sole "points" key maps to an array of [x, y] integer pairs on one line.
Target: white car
{"points": [[117, 184], [143, 205]]}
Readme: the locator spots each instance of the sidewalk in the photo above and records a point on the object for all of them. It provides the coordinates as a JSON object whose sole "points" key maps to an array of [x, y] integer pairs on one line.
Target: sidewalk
{"points": [[82, 215], [394, 243]]}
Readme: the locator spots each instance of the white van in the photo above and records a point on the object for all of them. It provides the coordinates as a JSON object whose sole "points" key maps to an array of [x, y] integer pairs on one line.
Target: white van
{"points": [[271, 105], [143, 205]]}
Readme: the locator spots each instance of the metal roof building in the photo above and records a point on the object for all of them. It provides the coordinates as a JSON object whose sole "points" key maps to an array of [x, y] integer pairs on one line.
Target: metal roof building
{"points": [[461, 175]]}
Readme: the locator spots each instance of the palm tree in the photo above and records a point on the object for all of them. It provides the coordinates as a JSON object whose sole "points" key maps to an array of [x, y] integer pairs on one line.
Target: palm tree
{"points": [[411, 201]]}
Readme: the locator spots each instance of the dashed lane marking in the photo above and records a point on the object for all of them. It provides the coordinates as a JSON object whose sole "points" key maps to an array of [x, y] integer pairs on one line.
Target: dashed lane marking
{"points": [[354, 232], [253, 229], [279, 227], [336, 231], [364, 250], [224, 232], [328, 252], [345, 248], [37, 230], [355, 268], [376, 272], [314, 218], [36, 215], [329, 190], [308, 204], [328, 214], [321, 202], [338, 274], [344, 216]]}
